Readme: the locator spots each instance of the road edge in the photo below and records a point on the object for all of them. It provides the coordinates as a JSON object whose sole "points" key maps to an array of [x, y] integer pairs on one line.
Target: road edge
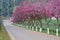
{"points": [[9, 34]]}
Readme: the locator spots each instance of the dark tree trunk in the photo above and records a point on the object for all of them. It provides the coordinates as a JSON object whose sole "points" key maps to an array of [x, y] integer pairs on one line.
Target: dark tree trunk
{"points": [[57, 22], [47, 22], [40, 23]]}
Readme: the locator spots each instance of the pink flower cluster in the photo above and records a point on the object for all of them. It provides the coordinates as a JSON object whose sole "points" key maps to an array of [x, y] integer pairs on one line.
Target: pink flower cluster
{"points": [[34, 10]]}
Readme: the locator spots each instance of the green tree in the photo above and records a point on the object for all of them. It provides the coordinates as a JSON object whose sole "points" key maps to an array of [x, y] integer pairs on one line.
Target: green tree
{"points": [[0, 22]]}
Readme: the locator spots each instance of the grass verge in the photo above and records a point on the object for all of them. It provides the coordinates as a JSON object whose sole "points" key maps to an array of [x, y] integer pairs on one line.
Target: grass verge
{"points": [[3, 34]]}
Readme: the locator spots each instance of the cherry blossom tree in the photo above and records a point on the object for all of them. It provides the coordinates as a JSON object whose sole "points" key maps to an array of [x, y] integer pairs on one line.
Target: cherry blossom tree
{"points": [[53, 9], [31, 11]]}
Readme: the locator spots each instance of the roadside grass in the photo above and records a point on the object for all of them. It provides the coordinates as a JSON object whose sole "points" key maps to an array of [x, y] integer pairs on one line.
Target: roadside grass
{"points": [[3, 34]]}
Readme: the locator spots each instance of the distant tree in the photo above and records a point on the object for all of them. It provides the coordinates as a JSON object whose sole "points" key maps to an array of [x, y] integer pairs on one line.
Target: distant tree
{"points": [[7, 7]]}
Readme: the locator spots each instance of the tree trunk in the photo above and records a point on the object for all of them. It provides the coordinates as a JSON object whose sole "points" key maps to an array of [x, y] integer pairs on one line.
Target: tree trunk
{"points": [[47, 22], [32, 23], [40, 23], [57, 22]]}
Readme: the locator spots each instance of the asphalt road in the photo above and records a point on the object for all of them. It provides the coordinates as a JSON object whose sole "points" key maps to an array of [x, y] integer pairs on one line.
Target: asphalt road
{"points": [[19, 33]]}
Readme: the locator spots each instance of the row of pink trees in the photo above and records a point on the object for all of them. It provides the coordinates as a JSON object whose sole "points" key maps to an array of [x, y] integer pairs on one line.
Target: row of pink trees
{"points": [[37, 11]]}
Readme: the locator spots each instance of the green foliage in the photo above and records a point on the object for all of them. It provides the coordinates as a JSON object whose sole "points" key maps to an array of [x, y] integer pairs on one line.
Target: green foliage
{"points": [[3, 34], [0, 22]]}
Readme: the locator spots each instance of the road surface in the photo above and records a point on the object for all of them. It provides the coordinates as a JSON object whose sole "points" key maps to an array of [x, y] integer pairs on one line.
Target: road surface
{"points": [[19, 33]]}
